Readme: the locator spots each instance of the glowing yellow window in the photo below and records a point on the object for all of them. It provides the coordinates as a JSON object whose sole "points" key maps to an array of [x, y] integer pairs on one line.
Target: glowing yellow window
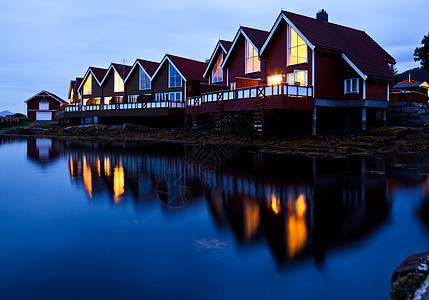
{"points": [[217, 70], [275, 79], [119, 83], [87, 87], [297, 48], [252, 61]]}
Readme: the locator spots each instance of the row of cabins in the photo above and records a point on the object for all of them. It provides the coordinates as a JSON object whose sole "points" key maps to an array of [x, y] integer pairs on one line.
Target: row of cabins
{"points": [[303, 69]]}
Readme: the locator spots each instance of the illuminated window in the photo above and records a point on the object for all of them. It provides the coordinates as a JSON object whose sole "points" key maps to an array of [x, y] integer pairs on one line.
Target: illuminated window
{"points": [[297, 49], [252, 61], [217, 70], [87, 87], [297, 77], [232, 84], [275, 79], [175, 96], [175, 80], [351, 85], [144, 80], [119, 83]]}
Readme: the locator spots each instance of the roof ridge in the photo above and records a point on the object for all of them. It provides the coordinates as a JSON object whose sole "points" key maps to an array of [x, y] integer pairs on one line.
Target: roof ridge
{"points": [[315, 19]]}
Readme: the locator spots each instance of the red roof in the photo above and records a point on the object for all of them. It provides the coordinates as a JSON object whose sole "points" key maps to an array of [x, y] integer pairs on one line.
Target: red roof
{"points": [[190, 69], [99, 73], [360, 48], [226, 44], [257, 36], [78, 81], [149, 66], [122, 70]]}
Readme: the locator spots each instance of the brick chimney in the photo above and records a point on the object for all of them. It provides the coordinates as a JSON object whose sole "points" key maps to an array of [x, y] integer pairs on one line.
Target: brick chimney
{"points": [[322, 15]]}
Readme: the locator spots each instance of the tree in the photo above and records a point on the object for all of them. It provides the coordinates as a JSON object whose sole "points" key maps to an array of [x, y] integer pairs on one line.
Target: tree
{"points": [[422, 54]]}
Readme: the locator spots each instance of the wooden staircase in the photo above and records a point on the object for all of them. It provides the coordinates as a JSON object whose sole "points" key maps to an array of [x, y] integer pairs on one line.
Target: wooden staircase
{"points": [[218, 114], [195, 116], [258, 117]]}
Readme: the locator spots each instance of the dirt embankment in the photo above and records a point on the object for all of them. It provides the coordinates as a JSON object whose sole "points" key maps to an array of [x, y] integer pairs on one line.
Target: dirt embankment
{"points": [[399, 140]]}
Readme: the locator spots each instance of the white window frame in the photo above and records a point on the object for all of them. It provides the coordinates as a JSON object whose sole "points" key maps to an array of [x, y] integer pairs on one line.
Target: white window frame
{"points": [[350, 81], [175, 96], [142, 74], [169, 76], [218, 70], [160, 96], [43, 105], [295, 76], [118, 83], [288, 48], [87, 86], [246, 58]]}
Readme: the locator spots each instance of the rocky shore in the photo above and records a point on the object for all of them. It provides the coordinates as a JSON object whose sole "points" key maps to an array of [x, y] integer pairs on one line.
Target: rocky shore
{"points": [[382, 140]]}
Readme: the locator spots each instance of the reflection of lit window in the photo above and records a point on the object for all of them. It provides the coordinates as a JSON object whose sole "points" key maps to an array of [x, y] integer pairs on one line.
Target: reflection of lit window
{"points": [[118, 183], [119, 83], [297, 49], [297, 77], [217, 70], [275, 79], [98, 167], [251, 218], [106, 166], [297, 228], [87, 87], [252, 60], [87, 177], [274, 203], [71, 168]]}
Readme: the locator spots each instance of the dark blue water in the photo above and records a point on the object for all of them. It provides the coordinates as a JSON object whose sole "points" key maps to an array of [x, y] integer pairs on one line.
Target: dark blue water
{"points": [[118, 221]]}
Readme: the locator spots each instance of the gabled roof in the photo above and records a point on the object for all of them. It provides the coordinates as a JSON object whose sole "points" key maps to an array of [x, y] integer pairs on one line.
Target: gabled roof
{"points": [[122, 71], [48, 94], [226, 44], [221, 45], [98, 74], [256, 37], [78, 81], [71, 88], [148, 66], [189, 69], [423, 84], [357, 48]]}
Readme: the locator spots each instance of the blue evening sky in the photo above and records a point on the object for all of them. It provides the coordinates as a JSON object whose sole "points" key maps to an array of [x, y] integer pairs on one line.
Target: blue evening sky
{"points": [[47, 43]]}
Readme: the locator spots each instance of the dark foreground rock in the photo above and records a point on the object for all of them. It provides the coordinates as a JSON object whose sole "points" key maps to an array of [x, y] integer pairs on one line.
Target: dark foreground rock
{"points": [[410, 279]]}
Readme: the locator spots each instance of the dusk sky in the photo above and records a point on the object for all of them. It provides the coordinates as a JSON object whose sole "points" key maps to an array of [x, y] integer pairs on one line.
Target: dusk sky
{"points": [[47, 43]]}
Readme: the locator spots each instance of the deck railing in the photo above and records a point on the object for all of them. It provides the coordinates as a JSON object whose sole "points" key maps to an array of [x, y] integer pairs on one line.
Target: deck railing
{"points": [[252, 92], [125, 106]]}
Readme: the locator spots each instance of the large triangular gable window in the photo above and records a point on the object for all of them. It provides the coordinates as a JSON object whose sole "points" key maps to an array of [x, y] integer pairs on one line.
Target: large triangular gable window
{"points": [[87, 87], [119, 83], [144, 80], [217, 70], [175, 80], [297, 48], [252, 61]]}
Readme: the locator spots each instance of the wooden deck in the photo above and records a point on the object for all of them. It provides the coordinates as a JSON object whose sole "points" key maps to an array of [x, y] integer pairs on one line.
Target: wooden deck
{"points": [[166, 108], [281, 96]]}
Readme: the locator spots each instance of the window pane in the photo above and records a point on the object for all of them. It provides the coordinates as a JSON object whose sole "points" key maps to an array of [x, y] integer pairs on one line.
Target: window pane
{"points": [[297, 49], [252, 60], [87, 87], [119, 84]]}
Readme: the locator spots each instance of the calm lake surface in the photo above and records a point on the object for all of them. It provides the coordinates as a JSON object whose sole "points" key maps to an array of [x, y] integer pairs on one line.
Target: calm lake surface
{"points": [[81, 220]]}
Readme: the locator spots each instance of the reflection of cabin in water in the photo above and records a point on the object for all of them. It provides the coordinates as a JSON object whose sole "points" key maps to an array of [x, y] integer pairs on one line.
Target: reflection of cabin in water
{"points": [[42, 150], [299, 213]]}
